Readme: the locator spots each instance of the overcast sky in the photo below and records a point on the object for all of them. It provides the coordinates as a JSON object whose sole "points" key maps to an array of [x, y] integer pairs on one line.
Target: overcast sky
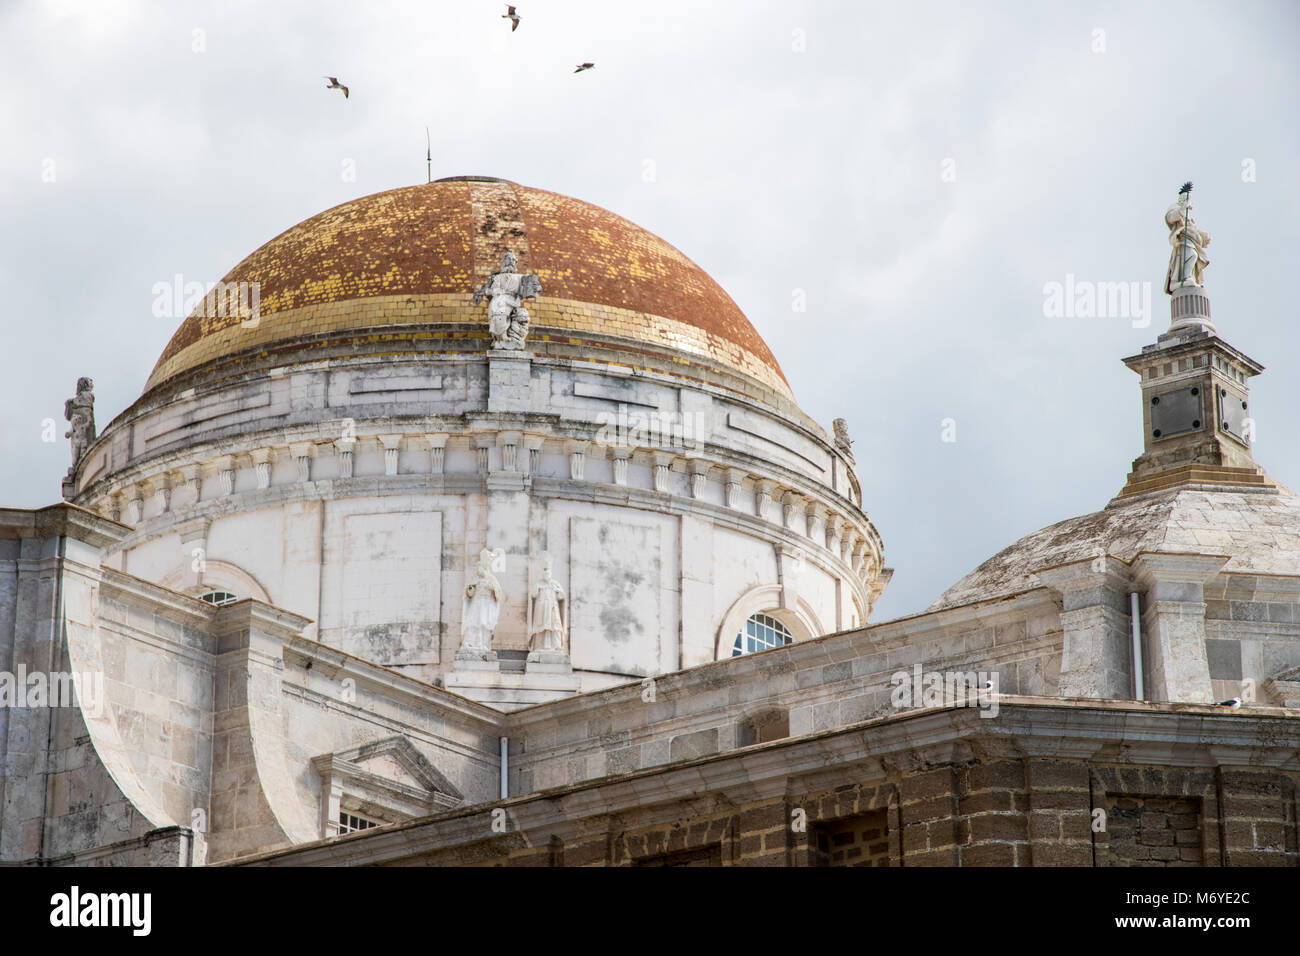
{"points": [[921, 170]]}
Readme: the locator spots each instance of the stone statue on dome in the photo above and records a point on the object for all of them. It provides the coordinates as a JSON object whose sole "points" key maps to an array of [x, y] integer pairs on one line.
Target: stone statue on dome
{"points": [[547, 631], [481, 607], [842, 440], [506, 291], [1187, 260], [80, 413]]}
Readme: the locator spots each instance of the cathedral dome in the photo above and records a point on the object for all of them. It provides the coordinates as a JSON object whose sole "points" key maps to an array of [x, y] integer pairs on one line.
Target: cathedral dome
{"points": [[400, 267], [1256, 530]]}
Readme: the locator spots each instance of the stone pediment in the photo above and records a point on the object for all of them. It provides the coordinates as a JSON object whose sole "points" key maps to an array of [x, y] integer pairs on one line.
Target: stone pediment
{"points": [[388, 780], [1285, 686]]}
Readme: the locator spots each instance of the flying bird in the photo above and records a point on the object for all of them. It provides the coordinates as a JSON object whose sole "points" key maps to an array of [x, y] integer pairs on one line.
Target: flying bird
{"points": [[584, 66], [512, 17], [334, 84], [1234, 703]]}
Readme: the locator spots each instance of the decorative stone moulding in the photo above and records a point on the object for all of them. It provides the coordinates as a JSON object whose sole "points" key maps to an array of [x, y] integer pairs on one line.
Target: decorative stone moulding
{"points": [[437, 452], [577, 460], [262, 465], [621, 457], [190, 479], [663, 464], [790, 510], [345, 448], [734, 480], [533, 445], [392, 450], [834, 526], [509, 442], [301, 452], [813, 516], [699, 477]]}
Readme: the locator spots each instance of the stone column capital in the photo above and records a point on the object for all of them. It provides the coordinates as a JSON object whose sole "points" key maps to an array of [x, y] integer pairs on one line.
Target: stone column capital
{"points": [[1154, 568], [1085, 582]]}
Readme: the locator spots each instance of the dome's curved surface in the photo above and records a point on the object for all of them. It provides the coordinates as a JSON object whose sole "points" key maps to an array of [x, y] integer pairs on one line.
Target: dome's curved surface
{"points": [[413, 257], [1258, 531]]}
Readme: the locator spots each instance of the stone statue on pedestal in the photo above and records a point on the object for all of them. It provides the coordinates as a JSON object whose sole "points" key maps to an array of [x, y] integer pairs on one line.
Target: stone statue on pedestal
{"points": [[842, 440], [1187, 260], [506, 291], [548, 630], [481, 607], [80, 413]]}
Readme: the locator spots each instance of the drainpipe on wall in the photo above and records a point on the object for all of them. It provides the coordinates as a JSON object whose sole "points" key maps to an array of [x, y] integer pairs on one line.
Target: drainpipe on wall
{"points": [[505, 768], [1136, 619]]}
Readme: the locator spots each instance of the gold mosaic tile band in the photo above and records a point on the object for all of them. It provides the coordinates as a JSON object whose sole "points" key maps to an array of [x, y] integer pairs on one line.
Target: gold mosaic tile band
{"points": [[547, 315]]}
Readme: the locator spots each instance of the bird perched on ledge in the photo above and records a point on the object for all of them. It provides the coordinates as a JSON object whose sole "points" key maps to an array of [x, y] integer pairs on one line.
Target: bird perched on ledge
{"points": [[1233, 702]]}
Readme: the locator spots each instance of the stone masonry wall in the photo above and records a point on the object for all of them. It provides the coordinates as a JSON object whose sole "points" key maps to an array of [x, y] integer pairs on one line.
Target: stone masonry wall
{"points": [[1030, 812]]}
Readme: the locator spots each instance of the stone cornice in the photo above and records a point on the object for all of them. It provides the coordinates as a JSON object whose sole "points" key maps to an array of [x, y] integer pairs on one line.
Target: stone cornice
{"points": [[63, 520]]}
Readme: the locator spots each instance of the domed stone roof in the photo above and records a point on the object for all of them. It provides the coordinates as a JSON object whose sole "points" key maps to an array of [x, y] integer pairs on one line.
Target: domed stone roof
{"points": [[411, 258], [1259, 531]]}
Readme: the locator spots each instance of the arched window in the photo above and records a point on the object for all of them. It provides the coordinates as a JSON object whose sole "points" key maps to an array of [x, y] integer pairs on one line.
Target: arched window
{"points": [[761, 632], [219, 598]]}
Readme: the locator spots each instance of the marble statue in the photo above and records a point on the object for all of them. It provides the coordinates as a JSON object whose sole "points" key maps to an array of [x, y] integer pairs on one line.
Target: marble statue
{"points": [[80, 413], [547, 633], [482, 605], [506, 291], [1187, 259], [842, 440]]}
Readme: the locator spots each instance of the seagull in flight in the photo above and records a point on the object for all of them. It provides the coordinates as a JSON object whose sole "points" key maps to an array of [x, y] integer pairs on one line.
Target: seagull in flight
{"points": [[334, 84], [512, 17], [1233, 702], [584, 66]]}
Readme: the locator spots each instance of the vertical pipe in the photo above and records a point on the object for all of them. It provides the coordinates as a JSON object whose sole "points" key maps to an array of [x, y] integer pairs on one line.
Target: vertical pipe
{"points": [[1136, 619], [505, 768]]}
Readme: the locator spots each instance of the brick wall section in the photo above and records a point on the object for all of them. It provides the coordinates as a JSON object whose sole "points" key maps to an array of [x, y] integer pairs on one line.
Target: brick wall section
{"points": [[928, 812], [1060, 813], [855, 841], [1146, 808], [993, 814], [1259, 818], [1153, 831]]}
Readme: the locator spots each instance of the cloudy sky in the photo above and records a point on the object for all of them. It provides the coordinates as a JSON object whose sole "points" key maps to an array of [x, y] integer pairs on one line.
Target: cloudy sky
{"points": [[919, 170]]}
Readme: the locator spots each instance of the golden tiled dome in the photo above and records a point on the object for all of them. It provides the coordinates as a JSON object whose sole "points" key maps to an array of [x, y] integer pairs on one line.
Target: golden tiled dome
{"points": [[411, 258]]}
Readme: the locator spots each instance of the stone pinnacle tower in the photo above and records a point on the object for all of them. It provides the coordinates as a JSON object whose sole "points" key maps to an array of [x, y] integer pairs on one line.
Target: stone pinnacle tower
{"points": [[1196, 420]]}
